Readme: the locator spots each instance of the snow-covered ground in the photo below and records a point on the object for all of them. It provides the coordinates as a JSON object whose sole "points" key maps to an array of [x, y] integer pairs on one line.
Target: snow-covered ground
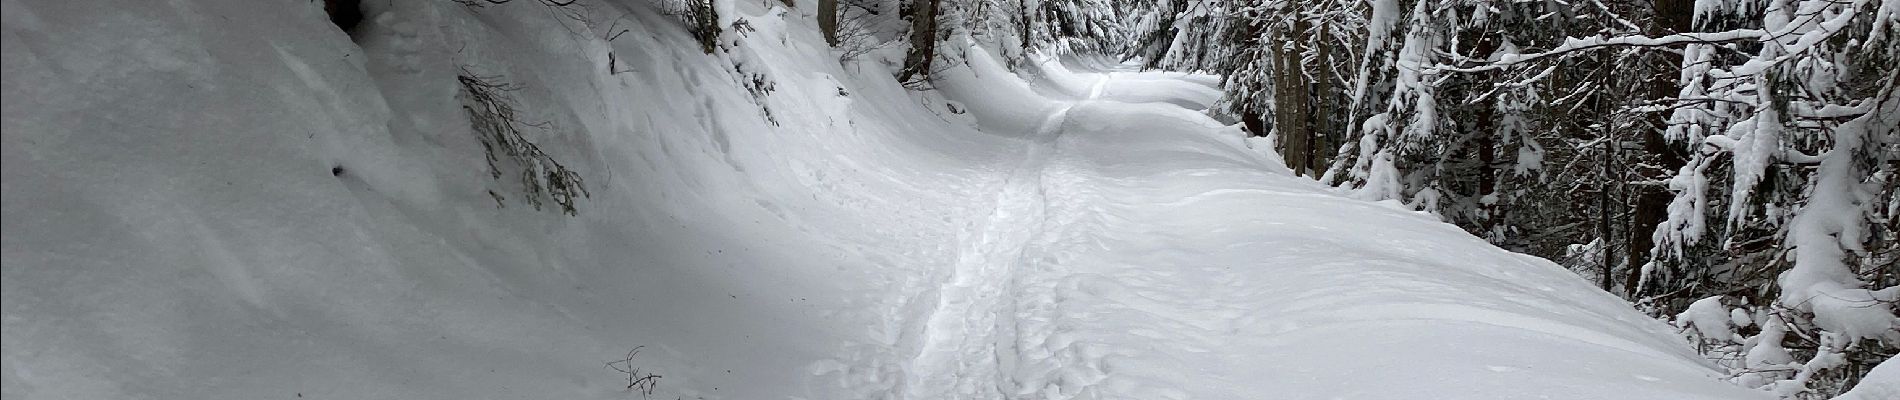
{"points": [[229, 199]]}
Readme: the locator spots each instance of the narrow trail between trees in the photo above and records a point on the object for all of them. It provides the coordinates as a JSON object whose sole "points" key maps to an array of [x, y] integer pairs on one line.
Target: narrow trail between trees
{"points": [[1035, 308], [962, 347], [228, 199], [1142, 250]]}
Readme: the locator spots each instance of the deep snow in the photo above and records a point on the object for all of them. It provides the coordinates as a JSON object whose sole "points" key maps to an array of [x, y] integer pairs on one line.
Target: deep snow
{"points": [[212, 199]]}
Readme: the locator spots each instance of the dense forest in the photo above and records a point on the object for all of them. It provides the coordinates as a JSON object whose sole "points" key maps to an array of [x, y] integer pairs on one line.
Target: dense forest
{"points": [[1699, 158]]}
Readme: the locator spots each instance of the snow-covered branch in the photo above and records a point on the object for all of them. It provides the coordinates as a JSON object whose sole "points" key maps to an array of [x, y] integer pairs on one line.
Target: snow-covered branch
{"points": [[1572, 45]]}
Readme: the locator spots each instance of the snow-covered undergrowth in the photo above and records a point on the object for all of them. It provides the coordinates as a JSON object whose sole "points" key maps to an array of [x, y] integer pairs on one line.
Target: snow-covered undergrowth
{"points": [[230, 199]]}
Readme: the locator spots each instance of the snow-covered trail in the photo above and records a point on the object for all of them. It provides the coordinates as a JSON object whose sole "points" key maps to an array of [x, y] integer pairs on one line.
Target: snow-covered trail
{"points": [[961, 342], [1002, 327], [959, 335], [234, 199], [1135, 253]]}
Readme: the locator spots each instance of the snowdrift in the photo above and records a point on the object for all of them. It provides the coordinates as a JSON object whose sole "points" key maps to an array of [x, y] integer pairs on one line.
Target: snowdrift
{"points": [[230, 199]]}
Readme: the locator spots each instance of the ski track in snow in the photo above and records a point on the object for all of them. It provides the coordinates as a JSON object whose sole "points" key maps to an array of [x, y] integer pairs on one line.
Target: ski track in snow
{"points": [[1013, 266], [960, 352], [1045, 351]]}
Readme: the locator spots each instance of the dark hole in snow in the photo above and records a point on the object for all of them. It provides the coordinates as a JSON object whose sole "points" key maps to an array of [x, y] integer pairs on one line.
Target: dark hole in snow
{"points": [[336, 171], [344, 13]]}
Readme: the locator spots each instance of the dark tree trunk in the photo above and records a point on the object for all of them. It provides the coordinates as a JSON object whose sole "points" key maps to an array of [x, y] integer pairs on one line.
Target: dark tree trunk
{"points": [[1487, 148], [1022, 27], [1605, 231], [1652, 201], [1250, 110], [1291, 122], [1484, 131], [1319, 149], [923, 40], [828, 20]]}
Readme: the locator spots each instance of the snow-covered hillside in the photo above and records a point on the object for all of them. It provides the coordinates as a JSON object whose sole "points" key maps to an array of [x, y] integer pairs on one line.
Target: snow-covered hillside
{"points": [[232, 199]]}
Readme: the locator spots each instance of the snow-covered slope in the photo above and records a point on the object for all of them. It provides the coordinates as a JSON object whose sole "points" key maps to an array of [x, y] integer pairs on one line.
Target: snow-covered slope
{"points": [[232, 199]]}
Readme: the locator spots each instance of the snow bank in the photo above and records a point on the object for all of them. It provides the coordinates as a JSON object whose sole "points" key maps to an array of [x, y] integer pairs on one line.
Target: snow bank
{"points": [[230, 199]]}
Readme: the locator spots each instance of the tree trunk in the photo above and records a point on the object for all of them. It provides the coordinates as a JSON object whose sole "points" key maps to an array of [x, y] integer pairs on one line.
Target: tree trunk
{"points": [[828, 20], [1484, 131], [1487, 148], [923, 40], [705, 25], [1318, 148], [1652, 201], [1250, 109], [1604, 231], [1290, 120], [1022, 27]]}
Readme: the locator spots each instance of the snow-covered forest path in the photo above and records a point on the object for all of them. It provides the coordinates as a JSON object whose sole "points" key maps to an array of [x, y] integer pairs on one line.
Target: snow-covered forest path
{"points": [[961, 332], [228, 199], [1136, 250], [1066, 282], [992, 329]]}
